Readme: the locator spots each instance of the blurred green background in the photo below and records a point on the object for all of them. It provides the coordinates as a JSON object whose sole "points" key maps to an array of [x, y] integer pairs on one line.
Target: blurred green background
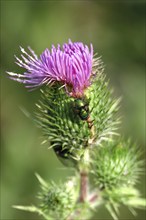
{"points": [[117, 31]]}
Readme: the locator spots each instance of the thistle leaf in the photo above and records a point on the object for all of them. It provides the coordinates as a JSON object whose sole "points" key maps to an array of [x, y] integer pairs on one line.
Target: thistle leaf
{"points": [[41, 181], [126, 195], [33, 208], [111, 211]]}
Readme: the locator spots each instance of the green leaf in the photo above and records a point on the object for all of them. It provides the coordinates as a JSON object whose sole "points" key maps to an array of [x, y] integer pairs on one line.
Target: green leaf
{"points": [[111, 211], [126, 195], [33, 208], [41, 181]]}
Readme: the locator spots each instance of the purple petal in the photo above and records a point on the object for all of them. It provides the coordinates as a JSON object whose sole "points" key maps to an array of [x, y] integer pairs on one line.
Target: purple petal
{"points": [[71, 65]]}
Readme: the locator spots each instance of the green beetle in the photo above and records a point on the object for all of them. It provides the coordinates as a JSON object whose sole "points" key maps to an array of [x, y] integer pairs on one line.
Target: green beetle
{"points": [[65, 156], [81, 107]]}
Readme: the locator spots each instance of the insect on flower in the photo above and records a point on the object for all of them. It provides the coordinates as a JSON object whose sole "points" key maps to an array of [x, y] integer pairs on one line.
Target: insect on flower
{"points": [[81, 108], [70, 65], [64, 155]]}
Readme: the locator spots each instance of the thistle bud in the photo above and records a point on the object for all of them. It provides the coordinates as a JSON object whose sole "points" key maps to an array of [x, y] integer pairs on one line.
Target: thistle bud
{"points": [[116, 164]]}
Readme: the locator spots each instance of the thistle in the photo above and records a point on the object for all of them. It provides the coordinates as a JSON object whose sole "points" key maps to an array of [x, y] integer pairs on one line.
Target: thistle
{"points": [[70, 65], [79, 119]]}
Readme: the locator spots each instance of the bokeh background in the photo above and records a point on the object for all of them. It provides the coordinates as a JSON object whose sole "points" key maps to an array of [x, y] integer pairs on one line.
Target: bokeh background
{"points": [[117, 31]]}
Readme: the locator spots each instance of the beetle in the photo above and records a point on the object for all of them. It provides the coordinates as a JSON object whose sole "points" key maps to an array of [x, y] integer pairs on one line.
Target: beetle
{"points": [[64, 155], [81, 107]]}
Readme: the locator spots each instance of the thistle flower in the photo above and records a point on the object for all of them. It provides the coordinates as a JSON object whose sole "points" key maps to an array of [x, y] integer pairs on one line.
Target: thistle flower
{"points": [[70, 65], [79, 123]]}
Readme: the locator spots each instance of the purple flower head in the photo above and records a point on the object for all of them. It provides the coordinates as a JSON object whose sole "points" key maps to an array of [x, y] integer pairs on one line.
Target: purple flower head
{"points": [[71, 65]]}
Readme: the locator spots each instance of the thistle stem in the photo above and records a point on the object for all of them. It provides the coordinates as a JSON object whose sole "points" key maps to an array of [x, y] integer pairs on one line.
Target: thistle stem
{"points": [[83, 193], [93, 198], [83, 186]]}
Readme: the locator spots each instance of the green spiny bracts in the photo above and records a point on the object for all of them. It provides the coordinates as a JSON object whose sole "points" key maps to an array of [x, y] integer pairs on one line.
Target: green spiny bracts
{"points": [[71, 125], [55, 198], [56, 201], [103, 110], [116, 164], [67, 133], [124, 195]]}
